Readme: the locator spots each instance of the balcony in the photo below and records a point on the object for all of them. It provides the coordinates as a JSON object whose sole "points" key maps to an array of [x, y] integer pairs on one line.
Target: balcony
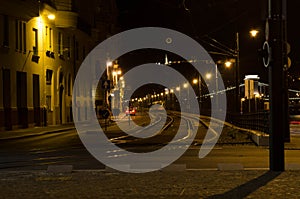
{"points": [[23, 10], [66, 14], [66, 19]]}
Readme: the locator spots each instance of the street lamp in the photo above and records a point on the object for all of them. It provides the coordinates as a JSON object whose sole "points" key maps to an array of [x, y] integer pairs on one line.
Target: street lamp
{"points": [[195, 81], [256, 96], [115, 76], [253, 32], [236, 54], [51, 16], [242, 100], [208, 75], [186, 85], [198, 81], [108, 64], [178, 89], [228, 64]]}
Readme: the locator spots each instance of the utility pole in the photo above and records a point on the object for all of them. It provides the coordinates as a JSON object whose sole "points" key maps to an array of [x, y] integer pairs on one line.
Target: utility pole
{"points": [[286, 49], [276, 82], [237, 74]]}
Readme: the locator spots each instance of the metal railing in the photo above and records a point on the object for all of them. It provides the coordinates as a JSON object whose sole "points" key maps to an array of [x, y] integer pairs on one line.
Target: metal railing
{"points": [[255, 121]]}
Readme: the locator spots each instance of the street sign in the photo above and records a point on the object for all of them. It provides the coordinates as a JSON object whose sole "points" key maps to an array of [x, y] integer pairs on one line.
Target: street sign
{"points": [[266, 54]]}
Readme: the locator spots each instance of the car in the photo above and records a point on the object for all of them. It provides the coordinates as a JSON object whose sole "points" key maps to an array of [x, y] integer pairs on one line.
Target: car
{"points": [[130, 111]]}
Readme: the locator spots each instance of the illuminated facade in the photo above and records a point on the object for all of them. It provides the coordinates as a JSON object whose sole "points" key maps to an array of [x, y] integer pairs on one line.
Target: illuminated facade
{"points": [[42, 45]]}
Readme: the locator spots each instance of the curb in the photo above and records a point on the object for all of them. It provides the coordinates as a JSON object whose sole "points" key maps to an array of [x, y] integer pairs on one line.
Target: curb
{"points": [[259, 138], [38, 134]]}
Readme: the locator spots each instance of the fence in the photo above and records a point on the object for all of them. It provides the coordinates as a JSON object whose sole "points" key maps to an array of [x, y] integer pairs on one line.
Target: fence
{"points": [[256, 121]]}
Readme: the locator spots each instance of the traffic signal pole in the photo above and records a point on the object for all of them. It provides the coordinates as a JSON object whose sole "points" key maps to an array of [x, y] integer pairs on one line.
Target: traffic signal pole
{"points": [[276, 82]]}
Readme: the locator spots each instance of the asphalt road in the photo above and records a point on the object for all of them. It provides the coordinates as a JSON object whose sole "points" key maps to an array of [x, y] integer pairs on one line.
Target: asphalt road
{"points": [[35, 153]]}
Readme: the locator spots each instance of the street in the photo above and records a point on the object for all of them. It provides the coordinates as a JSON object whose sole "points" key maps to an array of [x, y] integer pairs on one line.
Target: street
{"points": [[65, 148]]}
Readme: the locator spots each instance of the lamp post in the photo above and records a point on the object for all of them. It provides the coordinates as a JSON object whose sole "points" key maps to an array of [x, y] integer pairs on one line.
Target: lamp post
{"points": [[198, 81], [186, 86], [256, 96], [242, 100], [209, 76], [276, 17], [253, 34]]}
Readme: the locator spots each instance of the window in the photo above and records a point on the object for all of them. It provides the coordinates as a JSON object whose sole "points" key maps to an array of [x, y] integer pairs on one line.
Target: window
{"points": [[49, 76], [20, 36], [35, 41], [17, 34], [5, 31], [6, 81], [20, 30], [60, 43], [48, 102], [24, 37], [21, 89]]}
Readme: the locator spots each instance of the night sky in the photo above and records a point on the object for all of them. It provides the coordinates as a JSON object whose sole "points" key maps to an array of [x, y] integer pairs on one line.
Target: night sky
{"points": [[204, 20]]}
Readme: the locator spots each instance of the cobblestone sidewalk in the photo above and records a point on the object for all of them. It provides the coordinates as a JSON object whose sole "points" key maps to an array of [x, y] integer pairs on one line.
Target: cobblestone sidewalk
{"points": [[160, 184]]}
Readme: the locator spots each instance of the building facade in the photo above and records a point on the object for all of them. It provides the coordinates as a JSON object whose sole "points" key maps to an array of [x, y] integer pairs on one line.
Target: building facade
{"points": [[42, 45]]}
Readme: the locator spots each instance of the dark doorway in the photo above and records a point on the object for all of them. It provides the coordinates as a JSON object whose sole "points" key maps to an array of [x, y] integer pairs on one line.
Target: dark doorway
{"points": [[36, 99], [61, 90], [7, 99], [22, 99]]}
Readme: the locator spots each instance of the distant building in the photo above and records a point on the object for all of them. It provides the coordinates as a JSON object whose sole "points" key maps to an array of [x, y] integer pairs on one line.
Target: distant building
{"points": [[251, 86], [42, 44]]}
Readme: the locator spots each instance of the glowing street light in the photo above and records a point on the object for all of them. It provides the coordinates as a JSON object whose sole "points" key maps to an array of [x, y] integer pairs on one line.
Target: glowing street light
{"points": [[51, 16], [208, 75], [253, 33], [228, 64], [242, 100], [195, 81]]}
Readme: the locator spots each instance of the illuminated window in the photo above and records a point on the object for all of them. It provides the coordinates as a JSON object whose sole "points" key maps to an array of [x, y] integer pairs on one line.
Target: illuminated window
{"points": [[49, 76], [35, 41], [20, 35], [24, 37], [20, 30], [48, 102]]}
